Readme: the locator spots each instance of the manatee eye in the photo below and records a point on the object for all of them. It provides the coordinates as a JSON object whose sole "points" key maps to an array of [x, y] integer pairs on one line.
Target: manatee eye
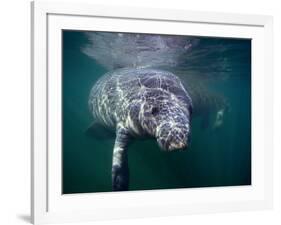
{"points": [[154, 111]]}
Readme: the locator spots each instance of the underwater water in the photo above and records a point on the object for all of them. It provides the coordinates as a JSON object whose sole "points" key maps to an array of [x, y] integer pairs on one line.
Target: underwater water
{"points": [[219, 155]]}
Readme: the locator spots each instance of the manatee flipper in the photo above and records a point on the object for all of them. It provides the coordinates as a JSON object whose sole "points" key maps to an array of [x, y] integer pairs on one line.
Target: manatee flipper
{"points": [[98, 131], [120, 167], [219, 118]]}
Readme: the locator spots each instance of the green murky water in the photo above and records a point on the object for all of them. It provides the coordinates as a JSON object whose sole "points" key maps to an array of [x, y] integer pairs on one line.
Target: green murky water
{"points": [[216, 157]]}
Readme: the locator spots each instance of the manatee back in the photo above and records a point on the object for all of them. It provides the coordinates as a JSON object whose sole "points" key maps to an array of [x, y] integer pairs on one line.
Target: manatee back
{"points": [[111, 96], [123, 90], [141, 80], [102, 100]]}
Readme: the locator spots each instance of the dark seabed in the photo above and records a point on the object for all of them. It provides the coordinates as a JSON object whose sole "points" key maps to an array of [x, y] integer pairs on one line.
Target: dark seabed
{"points": [[216, 157]]}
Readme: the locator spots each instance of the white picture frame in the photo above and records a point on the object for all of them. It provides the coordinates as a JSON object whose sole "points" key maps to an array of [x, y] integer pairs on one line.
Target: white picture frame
{"points": [[48, 205]]}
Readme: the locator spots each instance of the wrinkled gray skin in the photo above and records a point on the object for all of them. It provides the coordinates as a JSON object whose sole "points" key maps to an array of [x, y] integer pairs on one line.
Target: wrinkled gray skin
{"points": [[141, 103]]}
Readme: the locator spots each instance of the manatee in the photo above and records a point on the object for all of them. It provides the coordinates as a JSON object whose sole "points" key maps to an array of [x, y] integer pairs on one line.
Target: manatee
{"points": [[140, 103]]}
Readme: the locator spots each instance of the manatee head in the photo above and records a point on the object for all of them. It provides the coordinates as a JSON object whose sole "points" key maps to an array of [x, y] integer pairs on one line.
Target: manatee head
{"points": [[167, 118]]}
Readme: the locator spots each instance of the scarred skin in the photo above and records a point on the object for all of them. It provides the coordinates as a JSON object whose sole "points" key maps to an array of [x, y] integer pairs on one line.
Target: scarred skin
{"points": [[141, 103]]}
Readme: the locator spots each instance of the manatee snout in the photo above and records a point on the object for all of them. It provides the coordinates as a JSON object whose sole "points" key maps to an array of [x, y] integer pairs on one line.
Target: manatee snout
{"points": [[171, 137]]}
